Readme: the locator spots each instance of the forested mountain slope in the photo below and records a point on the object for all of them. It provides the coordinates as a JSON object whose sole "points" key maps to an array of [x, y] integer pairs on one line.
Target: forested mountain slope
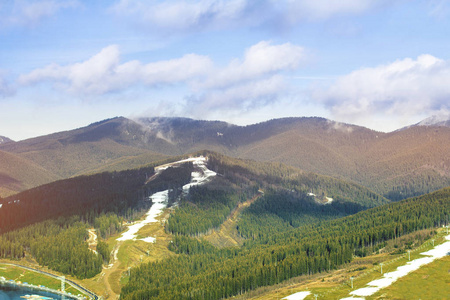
{"points": [[200, 271], [106, 198], [399, 164], [293, 227]]}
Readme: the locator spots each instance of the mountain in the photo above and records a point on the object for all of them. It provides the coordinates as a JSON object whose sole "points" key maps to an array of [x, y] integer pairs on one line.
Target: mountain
{"points": [[400, 164], [4, 139], [84, 150], [443, 120]]}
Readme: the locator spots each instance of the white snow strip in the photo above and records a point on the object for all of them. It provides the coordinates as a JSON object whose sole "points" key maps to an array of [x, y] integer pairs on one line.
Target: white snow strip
{"points": [[149, 239], [388, 278], [160, 199], [159, 203], [311, 194], [297, 296], [329, 200], [1, 205], [198, 178]]}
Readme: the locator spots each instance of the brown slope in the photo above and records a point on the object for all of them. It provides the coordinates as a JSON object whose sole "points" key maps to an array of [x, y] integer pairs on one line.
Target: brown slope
{"points": [[415, 159], [398, 162], [18, 173], [84, 150]]}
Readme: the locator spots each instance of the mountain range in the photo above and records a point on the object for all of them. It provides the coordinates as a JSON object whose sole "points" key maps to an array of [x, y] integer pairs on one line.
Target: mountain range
{"points": [[400, 164]]}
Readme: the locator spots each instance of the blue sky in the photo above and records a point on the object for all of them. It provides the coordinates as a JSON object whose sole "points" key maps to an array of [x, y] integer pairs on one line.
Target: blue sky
{"points": [[375, 63]]}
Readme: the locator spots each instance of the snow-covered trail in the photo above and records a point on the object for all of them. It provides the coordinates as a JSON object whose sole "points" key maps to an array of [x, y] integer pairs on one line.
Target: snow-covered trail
{"points": [[374, 286], [200, 176]]}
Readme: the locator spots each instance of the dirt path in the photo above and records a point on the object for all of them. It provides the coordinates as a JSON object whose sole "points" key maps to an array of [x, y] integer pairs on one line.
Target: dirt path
{"points": [[107, 271], [92, 241], [227, 235]]}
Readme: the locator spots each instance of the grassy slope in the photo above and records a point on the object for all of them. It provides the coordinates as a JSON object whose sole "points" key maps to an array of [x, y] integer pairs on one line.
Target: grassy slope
{"points": [[336, 284], [19, 274], [429, 282]]}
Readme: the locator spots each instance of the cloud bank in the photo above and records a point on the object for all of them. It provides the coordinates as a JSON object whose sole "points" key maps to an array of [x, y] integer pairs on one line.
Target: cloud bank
{"points": [[405, 87], [255, 79], [103, 73]]}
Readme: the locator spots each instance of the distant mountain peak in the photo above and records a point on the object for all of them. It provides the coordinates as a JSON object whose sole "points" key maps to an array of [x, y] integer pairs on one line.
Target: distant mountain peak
{"points": [[4, 140], [436, 120]]}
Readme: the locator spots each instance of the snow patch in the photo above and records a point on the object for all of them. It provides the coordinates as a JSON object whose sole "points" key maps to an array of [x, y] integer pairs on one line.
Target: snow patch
{"points": [[298, 296], [388, 278], [149, 239], [159, 203], [329, 200], [160, 199], [311, 194], [1, 205]]}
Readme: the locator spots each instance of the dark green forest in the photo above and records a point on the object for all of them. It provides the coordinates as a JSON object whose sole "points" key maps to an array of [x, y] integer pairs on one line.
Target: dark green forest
{"points": [[50, 222], [286, 232], [201, 271]]}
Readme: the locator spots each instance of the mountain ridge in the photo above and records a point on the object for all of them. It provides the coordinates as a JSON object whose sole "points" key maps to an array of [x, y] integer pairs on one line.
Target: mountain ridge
{"points": [[400, 164]]}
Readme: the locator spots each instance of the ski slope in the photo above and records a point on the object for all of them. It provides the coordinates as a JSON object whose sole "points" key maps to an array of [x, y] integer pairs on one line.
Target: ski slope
{"points": [[199, 176]]}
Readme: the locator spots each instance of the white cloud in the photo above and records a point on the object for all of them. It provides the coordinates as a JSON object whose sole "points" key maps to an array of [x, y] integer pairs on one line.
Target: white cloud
{"points": [[239, 97], [407, 87], [182, 15], [254, 81], [30, 13], [257, 78], [103, 72], [259, 60], [247, 83]]}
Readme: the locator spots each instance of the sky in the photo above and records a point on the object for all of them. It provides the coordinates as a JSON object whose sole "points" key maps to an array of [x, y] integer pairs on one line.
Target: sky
{"points": [[64, 64]]}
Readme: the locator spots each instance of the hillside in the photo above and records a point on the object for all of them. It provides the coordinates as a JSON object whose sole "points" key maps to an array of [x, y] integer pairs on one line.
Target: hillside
{"points": [[101, 146], [200, 271], [18, 173], [400, 164], [291, 224]]}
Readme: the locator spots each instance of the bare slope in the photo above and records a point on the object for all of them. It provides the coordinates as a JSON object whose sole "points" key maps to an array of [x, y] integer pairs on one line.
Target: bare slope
{"points": [[98, 147]]}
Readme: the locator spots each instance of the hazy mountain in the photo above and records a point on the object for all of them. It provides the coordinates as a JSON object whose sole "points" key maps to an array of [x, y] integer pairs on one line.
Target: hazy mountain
{"points": [[4, 139], [399, 164], [436, 121]]}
